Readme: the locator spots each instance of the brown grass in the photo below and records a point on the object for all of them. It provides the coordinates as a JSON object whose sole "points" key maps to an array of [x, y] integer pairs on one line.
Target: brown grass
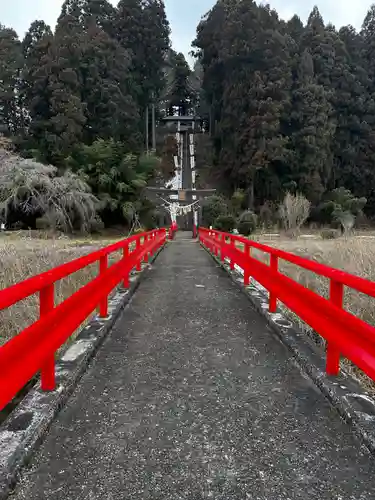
{"points": [[355, 254], [23, 256]]}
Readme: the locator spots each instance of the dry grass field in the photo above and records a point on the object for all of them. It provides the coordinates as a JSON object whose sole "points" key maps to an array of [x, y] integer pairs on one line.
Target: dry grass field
{"points": [[23, 256], [354, 254]]}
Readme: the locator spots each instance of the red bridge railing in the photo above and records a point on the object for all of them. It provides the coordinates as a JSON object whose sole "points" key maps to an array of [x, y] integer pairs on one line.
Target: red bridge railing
{"points": [[346, 334], [33, 350]]}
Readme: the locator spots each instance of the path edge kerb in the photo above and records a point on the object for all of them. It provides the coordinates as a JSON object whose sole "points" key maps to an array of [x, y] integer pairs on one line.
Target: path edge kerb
{"points": [[25, 428], [353, 403]]}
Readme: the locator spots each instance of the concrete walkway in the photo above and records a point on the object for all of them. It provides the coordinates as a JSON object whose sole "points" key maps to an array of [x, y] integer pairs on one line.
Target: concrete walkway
{"points": [[192, 397]]}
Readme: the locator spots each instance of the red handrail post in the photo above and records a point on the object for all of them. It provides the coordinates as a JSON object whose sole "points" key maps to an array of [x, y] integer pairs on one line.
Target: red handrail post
{"points": [[246, 272], [145, 242], [103, 306], [273, 298], [223, 243], [151, 238], [138, 246], [336, 295], [46, 304], [125, 283], [233, 245]]}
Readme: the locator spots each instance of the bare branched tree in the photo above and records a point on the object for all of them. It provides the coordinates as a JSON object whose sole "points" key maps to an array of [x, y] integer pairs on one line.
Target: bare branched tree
{"points": [[294, 212]]}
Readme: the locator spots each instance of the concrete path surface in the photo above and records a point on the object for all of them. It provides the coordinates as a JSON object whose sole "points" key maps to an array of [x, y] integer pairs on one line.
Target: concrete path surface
{"points": [[193, 397]]}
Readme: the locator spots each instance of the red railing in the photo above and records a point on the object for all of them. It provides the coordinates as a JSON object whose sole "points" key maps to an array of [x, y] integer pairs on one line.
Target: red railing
{"points": [[33, 350], [346, 334]]}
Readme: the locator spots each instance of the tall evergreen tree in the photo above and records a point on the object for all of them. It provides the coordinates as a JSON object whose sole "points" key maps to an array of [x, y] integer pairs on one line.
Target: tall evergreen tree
{"points": [[63, 126], [312, 132], [143, 30], [106, 89], [33, 93], [11, 62]]}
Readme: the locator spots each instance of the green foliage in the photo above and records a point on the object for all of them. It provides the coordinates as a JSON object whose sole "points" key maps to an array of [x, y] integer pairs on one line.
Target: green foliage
{"points": [[76, 99], [225, 223], [143, 30], [289, 107], [11, 62], [116, 177], [247, 223], [340, 207], [213, 207]]}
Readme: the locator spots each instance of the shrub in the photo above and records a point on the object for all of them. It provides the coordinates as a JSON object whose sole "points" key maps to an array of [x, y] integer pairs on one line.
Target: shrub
{"points": [[117, 177], [330, 234], [225, 223], [247, 223], [294, 211], [30, 191], [340, 208], [213, 207]]}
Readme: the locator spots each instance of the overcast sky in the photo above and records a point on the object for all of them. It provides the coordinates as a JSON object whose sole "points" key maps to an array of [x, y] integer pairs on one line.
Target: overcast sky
{"points": [[184, 15]]}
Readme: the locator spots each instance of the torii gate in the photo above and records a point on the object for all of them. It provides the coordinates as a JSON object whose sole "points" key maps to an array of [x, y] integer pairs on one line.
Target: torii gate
{"points": [[184, 197]]}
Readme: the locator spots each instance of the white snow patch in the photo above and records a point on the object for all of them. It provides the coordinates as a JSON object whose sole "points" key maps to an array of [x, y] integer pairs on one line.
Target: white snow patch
{"points": [[76, 350], [362, 396], [104, 320], [281, 320]]}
